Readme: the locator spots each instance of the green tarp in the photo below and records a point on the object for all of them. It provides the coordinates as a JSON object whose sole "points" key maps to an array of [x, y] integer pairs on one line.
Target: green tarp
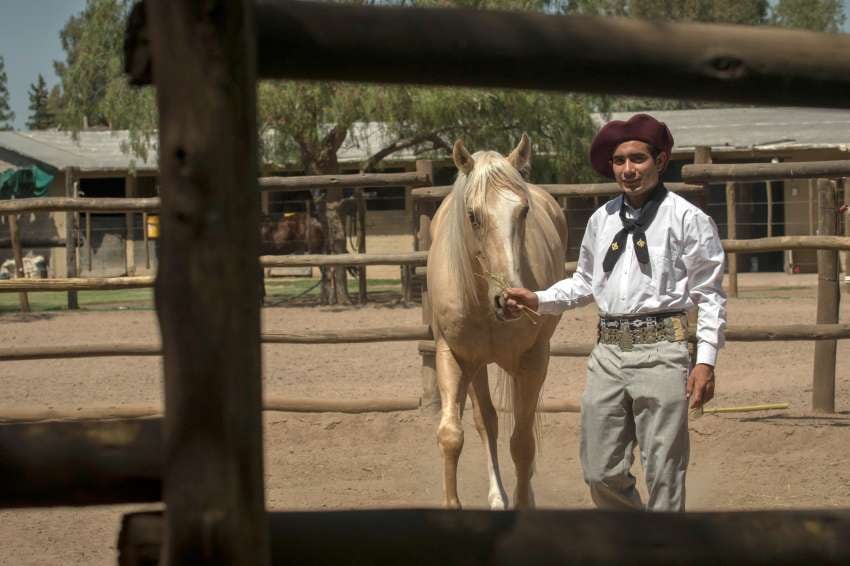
{"points": [[24, 182]]}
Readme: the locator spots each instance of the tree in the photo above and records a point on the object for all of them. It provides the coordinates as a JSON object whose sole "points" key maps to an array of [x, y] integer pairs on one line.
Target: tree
{"points": [[816, 15], [310, 122], [94, 90], [6, 114], [40, 117]]}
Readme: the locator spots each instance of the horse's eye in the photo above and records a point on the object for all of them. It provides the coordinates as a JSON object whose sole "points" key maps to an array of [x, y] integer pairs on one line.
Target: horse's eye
{"points": [[523, 212], [473, 219]]}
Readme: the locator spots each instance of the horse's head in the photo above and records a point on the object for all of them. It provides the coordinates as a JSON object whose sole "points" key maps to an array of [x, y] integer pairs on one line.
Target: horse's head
{"points": [[491, 202]]}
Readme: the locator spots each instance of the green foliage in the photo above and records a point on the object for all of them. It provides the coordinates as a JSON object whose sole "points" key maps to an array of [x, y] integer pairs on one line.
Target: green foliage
{"points": [[40, 116], [95, 91], [6, 114], [816, 15], [302, 122]]}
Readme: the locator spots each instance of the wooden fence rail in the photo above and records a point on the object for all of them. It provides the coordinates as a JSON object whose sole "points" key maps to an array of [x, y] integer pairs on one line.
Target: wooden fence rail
{"points": [[74, 204], [757, 245], [77, 284], [572, 190], [356, 43], [80, 463], [364, 180], [478, 538], [422, 334], [754, 172]]}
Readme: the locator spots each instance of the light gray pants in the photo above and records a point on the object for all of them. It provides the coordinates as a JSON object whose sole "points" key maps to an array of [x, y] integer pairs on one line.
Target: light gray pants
{"points": [[636, 395]]}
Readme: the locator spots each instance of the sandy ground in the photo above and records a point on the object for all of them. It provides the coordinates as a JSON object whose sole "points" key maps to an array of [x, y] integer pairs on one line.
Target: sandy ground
{"points": [[790, 459]]}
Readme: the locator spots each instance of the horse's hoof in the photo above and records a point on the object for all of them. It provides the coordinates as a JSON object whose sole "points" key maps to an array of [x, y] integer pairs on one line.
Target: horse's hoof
{"points": [[498, 503]]}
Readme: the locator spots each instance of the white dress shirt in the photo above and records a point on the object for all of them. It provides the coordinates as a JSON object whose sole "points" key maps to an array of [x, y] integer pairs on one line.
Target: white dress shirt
{"points": [[685, 270]]}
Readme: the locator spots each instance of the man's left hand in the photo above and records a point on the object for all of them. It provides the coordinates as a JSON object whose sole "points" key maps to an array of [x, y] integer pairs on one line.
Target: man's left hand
{"points": [[700, 385]]}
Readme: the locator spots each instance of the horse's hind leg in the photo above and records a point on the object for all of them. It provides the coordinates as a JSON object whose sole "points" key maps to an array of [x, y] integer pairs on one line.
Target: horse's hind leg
{"points": [[452, 383], [487, 423], [528, 381]]}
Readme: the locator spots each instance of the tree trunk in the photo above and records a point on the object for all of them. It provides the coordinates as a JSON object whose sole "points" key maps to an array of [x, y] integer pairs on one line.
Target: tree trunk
{"points": [[330, 215]]}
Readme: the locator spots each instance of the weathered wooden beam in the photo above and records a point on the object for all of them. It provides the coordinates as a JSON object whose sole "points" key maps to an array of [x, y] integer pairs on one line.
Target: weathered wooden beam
{"points": [[70, 204], [25, 414], [352, 336], [29, 243], [758, 333], [436, 536], [78, 351], [789, 332], [76, 284], [209, 317], [80, 463], [316, 260], [572, 190], [529, 50], [355, 181], [751, 172], [780, 243]]}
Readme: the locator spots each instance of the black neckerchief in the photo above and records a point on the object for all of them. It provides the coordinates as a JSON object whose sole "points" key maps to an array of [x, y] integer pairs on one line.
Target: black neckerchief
{"points": [[638, 226]]}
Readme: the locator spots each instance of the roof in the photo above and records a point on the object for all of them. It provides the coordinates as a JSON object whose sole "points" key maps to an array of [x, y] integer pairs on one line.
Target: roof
{"points": [[776, 128], [90, 151]]}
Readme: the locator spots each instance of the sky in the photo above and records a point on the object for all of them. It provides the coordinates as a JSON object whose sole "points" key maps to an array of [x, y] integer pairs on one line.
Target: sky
{"points": [[29, 43]]}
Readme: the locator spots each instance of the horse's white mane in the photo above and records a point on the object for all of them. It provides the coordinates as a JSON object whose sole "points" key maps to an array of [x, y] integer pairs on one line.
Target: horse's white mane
{"points": [[492, 172]]}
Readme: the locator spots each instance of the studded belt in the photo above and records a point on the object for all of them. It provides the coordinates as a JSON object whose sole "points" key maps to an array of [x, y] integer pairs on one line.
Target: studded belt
{"points": [[643, 329]]}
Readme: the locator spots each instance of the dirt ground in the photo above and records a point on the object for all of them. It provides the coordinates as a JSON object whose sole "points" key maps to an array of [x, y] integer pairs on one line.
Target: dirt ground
{"points": [[781, 459]]}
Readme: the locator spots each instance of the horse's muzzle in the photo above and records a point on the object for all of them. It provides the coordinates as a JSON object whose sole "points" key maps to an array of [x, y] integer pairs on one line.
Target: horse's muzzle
{"points": [[499, 307]]}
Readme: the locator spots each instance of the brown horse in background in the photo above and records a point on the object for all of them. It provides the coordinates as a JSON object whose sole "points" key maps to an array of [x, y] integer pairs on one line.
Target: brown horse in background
{"points": [[291, 233]]}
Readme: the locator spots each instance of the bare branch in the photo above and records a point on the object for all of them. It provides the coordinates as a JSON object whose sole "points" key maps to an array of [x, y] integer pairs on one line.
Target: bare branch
{"points": [[399, 145]]}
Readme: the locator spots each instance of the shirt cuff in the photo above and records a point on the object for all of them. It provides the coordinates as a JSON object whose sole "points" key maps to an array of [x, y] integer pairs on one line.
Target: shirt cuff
{"points": [[706, 353], [548, 302]]}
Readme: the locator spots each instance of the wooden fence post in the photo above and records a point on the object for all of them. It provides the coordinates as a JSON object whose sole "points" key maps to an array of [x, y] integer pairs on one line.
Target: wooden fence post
{"points": [[71, 230], [702, 154], [423, 211], [130, 234], [209, 318], [15, 240], [846, 233], [88, 242], [731, 232], [829, 295], [361, 244]]}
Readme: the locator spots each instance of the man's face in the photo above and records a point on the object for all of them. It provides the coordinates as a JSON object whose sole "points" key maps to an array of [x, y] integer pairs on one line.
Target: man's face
{"points": [[635, 170]]}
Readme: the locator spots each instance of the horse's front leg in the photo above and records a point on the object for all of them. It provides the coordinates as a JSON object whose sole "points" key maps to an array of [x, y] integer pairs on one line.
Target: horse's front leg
{"points": [[487, 423], [529, 375], [452, 382]]}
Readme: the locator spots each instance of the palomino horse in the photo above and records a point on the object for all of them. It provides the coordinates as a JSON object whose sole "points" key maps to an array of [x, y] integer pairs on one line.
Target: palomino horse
{"points": [[493, 231]]}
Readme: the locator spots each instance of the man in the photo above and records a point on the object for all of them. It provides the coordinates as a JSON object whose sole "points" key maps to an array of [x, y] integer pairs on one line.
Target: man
{"points": [[647, 256]]}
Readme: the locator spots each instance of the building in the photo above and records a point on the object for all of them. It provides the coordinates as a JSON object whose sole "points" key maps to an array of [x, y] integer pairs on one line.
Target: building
{"points": [[102, 167]]}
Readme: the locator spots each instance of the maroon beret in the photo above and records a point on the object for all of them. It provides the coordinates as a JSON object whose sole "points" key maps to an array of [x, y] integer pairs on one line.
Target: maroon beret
{"points": [[640, 127]]}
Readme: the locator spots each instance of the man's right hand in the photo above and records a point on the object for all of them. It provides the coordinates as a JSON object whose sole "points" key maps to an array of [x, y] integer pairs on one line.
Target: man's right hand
{"points": [[516, 296]]}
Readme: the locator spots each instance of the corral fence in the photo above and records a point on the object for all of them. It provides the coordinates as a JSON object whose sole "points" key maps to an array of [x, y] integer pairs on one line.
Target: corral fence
{"points": [[72, 206], [211, 356]]}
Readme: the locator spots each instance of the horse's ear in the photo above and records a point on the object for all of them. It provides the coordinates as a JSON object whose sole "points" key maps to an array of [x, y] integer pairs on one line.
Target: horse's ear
{"points": [[463, 160], [520, 157]]}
